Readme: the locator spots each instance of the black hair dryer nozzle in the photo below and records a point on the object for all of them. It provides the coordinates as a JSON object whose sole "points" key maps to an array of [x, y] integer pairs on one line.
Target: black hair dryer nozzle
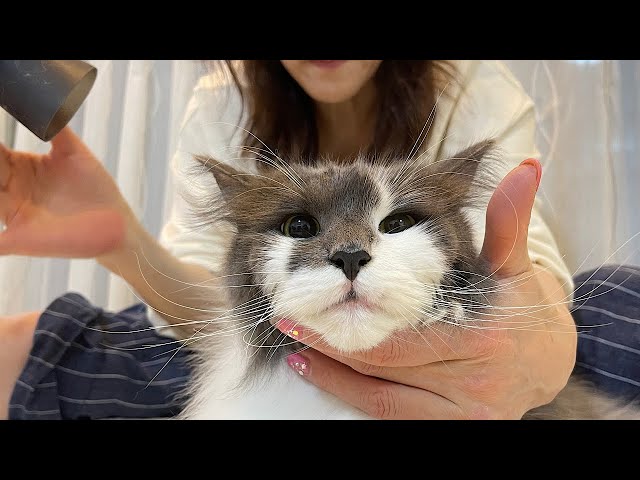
{"points": [[43, 95]]}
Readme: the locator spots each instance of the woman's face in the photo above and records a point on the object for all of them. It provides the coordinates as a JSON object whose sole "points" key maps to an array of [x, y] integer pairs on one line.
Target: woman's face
{"points": [[331, 81]]}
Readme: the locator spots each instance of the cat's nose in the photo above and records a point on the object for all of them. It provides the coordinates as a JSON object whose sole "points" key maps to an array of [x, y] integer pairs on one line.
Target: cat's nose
{"points": [[350, 262]]}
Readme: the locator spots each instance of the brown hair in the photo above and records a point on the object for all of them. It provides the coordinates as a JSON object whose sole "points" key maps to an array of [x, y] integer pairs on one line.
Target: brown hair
{"points": [[282, 115]]}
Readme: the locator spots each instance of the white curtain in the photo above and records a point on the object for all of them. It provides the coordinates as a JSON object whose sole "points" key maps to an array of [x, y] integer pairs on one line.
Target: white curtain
{"points": [[589, 119], [130, 120]]}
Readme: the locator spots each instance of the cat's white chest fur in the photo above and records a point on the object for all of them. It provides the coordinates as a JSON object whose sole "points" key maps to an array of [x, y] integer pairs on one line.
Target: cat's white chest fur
{"points": [[281, 395]]}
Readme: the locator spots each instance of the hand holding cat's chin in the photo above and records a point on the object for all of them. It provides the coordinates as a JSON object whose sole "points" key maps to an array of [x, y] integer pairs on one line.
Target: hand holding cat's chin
{"points": [[515, 359], [520, 361]]}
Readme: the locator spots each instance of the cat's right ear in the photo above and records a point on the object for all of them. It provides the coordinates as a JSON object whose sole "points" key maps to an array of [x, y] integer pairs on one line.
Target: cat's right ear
{"points": [[230, 181]]}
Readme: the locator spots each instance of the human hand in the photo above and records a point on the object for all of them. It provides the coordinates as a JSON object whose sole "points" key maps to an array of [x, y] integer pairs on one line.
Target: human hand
{"points": [[512, 361], [61, 204]]}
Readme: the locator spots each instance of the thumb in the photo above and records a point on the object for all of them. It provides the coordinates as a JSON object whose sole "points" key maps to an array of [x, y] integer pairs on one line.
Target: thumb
{"points": [[507, 220], [66, 142]]}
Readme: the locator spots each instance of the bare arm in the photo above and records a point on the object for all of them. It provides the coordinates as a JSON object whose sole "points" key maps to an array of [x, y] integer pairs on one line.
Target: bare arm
{"points": [[180, 292], [65, 204]]}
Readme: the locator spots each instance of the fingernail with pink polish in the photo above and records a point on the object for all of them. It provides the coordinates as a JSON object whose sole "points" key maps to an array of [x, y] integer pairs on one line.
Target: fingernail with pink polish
{"points": [[535, 164], [289, 328], [300, 364]]}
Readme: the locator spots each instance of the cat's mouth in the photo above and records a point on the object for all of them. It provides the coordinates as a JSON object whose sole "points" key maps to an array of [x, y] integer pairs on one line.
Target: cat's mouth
{"points": [[353, 301]]}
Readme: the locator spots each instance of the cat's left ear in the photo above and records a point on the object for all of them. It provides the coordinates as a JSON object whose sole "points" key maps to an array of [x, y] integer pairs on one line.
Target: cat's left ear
{"points": [[230, 181], [459, 173]]}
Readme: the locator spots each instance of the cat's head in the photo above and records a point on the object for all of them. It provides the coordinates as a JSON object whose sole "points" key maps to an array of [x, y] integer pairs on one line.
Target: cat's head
{"points": [[355, 252]]}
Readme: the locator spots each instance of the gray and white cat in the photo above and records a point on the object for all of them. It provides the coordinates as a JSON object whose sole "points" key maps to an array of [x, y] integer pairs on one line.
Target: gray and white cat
{"points": [[356, 252]]}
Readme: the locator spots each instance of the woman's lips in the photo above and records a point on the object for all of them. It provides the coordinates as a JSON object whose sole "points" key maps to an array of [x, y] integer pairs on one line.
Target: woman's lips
{"points": [[327, 63]]}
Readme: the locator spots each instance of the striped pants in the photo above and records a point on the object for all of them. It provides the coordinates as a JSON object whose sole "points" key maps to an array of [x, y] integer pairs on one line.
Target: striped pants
{"points": [[91, 364]]}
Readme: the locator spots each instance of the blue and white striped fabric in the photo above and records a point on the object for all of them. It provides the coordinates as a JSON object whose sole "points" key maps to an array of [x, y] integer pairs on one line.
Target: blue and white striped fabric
{"points": [[80, 367], [607, 312]]}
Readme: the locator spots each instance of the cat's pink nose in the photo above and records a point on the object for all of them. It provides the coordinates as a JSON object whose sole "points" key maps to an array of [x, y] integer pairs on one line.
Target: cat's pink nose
{"points": [[350, 262]]}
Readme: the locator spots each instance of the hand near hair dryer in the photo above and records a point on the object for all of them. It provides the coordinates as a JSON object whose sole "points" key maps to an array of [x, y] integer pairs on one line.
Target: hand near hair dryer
{"points": [[60, 204]]}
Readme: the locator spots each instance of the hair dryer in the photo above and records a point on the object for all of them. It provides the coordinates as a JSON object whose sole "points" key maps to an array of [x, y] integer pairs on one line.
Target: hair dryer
{"points": [[43, 95]]}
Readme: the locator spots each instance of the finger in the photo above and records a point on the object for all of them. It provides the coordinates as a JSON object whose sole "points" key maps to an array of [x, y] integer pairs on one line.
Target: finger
{"points": [[5, 166], [479, 391], [435, 377], [377, 398], [66, 142], [450, 379], [439, 342], [8, 206], [5, 207], [507, 220], [19, 183], [8, 242]]}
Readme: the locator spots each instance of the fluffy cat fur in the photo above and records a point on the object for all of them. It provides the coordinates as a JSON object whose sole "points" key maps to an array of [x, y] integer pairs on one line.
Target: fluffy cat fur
{"points": [[415, 277]]}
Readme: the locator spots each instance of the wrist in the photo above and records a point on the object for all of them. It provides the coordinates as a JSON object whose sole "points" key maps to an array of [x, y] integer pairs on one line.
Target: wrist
{"points": [[125, 253], [559, 325], [551, 286]]}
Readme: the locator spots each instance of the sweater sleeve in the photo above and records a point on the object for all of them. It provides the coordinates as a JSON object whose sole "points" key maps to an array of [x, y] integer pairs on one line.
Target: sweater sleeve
{"points": [[209, 128]]}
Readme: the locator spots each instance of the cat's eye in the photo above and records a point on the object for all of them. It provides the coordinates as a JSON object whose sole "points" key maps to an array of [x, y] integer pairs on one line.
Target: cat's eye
{"points": [[300, 226], [396, 223]]}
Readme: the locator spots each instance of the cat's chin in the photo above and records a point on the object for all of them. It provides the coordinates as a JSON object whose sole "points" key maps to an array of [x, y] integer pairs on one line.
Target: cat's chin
{"points": [[353, 326]]}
